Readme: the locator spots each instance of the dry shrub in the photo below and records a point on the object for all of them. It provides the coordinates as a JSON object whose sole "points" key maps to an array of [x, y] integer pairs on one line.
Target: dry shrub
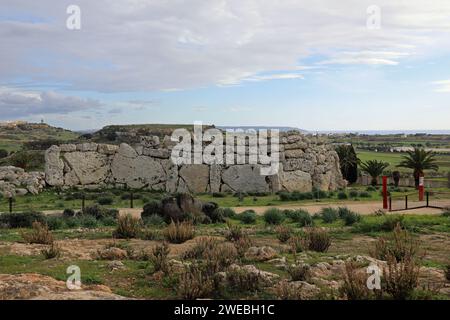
{"points": [[194, 283], [242, 245], [447, 272], [241, 280], [179, 232], [400, 245], [127, 227], [158, 257], [355, 283], [299, 272], [401, 278], [284, 233], [318, 239], [202, 244], [284, 291], [39, 234], [297, 244], [233, 232], [52, 251]]}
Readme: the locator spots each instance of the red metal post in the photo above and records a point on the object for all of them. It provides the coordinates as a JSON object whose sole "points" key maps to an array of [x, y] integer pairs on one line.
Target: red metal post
{"points": [[421, 188], [385, 192]]}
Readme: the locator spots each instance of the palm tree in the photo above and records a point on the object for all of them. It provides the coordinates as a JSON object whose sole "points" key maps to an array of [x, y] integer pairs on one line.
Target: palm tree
{"points": [[374, 168], [348, 162], [419, 160]]}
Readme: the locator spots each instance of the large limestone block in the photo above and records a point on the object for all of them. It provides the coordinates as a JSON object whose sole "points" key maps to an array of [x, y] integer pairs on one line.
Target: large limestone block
{"points": [[215, 177], [196, 177], [171, 171], [89, 167], [245, 178], [137, 172], [54, 167], [296, 181]]}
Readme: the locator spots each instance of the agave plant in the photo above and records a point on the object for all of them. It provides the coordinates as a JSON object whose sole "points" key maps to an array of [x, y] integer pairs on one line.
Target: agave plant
{"points": [[374, 168], [419, 160]]}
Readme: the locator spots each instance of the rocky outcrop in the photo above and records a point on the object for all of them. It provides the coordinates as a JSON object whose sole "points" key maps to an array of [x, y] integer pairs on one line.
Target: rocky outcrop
{"points": [[16, 182], [306, 162]]}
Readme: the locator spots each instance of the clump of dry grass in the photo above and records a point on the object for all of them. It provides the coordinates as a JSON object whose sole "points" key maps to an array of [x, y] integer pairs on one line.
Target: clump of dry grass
{"points": [[179, 232], [194, 283], [284, 233], [242, 280], [52, 251], [401, 278], [284, 291], [355, 283], [297, 244], [299, 272], [159, 257], [39, 234], [233, 232], [128, 227], [318, 239], [242, 245]]}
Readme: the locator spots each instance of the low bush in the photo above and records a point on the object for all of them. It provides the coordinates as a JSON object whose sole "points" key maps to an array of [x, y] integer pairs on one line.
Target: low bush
{"points": [[51, 252], [299, 272], [89, 222], [355, 284], [21, 219], [216, 216], [218, 195], [154, 220], [317, 239], [284, 233], [72, 222], [342, 195], [302, 217], [128, 227], [297, 244], [242, 245], [69, 213], [108, 221], [105, 201], [99, 212], [159, 257], [348, 216], [399, 245], [391, 222], [55, 223], [247, 217], [179, 232], [273, 216], [365, 194], [329, 215], [233, 232], [194, 284], [228, 213], [151, 208], [39, 234], [401, 278], [241, 280], [353, 194]]}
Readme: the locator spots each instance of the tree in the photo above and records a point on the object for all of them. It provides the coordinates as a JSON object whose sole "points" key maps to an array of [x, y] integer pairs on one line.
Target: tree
{"points": [[3, 153], [348, 162], [374, 168], [396, 176], [419, 160]]}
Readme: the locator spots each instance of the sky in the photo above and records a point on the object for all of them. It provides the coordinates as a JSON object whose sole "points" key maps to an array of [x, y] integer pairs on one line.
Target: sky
{"points": [[319, 65]]}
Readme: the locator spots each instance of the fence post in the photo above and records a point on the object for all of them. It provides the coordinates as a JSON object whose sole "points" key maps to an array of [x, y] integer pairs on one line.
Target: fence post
{"points": [[406, 202], [131, 200], [83, 199], [10, 199], [390, 204], [428, 199]]}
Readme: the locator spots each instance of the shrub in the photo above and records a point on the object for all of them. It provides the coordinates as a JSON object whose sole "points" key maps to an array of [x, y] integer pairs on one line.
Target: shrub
{"points": [[151, 208], [318, 239], [218, 195], [99, 212], [149, 234], [154, 220], [228, 213], [299, 272], [242, 280], [297, 244], [127, 227], [302, 217], [233, 232], [329, 215], [72, 222], [21, 219], [365, 195], [88, 222], [108, 221], [285, 291], [69, 213], [348, 216], [355, 283], [105, 201], [400, 246], [39, 234], [391, 222], [342, 195], [194, 284], [248, 217], [202, 245], [447, 272], [242, 245], [179, 232], [51, 252], [401, 277], [159, 257], [283, 233], [3, 153], [446, 212], [55, 223], [216, 216], [273, 216], [371, 189], [284, 196], [353, 194]]}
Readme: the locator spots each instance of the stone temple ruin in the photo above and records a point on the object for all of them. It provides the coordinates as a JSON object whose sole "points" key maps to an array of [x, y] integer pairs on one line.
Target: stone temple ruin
{"points": [[306, 162]]}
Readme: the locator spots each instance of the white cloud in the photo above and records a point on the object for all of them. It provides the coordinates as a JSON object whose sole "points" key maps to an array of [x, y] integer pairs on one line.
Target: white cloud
{"points": [[137, 45], [442, 86], [18, 103]]}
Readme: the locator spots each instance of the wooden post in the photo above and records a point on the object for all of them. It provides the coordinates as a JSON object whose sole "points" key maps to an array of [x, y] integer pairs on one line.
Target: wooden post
{"points": [[83, 199], [406, 202], [10, 199], [131, 200], [385, 192]]}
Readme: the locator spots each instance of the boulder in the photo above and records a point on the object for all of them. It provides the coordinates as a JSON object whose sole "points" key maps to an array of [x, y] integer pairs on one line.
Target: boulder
{"points": [[54, 167], [196, 177], [296, 181], [89, 167], [245, 178], [260, 253]]}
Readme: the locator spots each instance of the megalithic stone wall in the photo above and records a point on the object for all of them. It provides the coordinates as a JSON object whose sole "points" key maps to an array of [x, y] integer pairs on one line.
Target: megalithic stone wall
{"points": [[305, 163]]}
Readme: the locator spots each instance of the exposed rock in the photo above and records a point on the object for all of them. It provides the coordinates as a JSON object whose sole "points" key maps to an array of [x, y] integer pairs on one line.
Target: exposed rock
{"points": [[116, 265], [54, 167], [196, 177], [267, 278], [108, 149], [89, 167], [296, 181], [16, 182], [260, 253], [111, 254], [245, 178]]}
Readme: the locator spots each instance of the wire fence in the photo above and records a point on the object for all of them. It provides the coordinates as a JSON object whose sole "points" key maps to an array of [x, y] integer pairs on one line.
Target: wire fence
{"points": [[432, 199]]}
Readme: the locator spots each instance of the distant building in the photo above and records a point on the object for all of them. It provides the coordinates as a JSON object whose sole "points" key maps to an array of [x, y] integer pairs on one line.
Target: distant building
{"points": [[11, 124]]}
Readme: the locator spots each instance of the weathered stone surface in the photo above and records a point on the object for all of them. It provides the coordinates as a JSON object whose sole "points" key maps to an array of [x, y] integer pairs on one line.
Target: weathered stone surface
{"points": [[215, 177], [295, 153], [108, 149], [68, 147], [138, 171], [89, 167], [156, 153], [196, 177], [88, 146], [260, 253], [296, 181], [54, 167], [245, 178], [150, 141]]}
